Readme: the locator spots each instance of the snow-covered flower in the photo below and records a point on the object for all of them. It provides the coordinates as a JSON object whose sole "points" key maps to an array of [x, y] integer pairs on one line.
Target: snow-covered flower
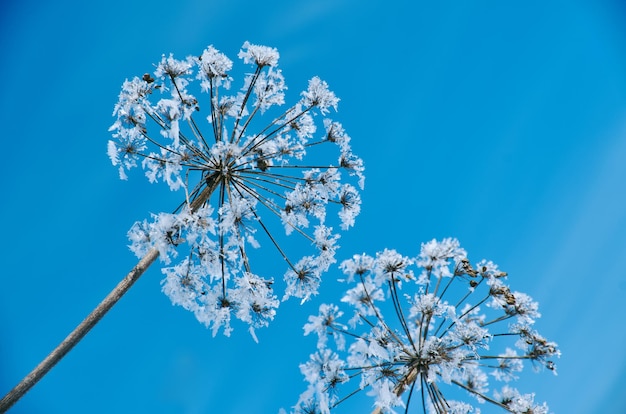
{"points": [[412, 341], [517, 403], [324, 372], [326, 323], [435, 256], [247, 164]]}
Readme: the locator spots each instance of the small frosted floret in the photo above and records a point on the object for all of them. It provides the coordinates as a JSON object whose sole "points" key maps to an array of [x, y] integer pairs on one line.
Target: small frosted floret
{"points": [[319, 95], [259, 55], [214, 64], [242, 161]]}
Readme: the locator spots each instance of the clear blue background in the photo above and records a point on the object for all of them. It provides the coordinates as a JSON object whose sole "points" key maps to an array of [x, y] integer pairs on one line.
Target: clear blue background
{"points": [[501, 123]]}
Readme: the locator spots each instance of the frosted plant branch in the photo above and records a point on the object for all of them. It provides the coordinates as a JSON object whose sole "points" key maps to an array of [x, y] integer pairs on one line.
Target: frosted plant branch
{"points": [[252, 171], [449, 328]]}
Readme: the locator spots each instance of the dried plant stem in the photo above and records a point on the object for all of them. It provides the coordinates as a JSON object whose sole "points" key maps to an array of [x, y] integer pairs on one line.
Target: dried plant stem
{"points": [[78, 333], [97, 314]]}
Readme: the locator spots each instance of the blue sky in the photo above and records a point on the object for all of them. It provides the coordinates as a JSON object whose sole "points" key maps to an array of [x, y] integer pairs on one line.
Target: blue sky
{"points": [[500, 123]]}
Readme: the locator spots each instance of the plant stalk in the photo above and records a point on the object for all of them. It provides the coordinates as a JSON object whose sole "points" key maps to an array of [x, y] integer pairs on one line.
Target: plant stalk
{"points": [[78, 333], [98, 313]]}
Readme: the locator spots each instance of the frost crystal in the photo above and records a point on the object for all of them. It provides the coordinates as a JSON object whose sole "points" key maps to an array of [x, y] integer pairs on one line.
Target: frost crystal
{"points": [[245, 169], [454, 326]]}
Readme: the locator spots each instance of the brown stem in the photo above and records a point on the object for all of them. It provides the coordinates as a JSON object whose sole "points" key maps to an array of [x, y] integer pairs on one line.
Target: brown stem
{"points": [[98, 313], [78, 333]]}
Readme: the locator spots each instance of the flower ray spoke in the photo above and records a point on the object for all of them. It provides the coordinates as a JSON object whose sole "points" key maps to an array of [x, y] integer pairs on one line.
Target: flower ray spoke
{"points": [[278, 178], [247, 186], [257, 72], [256, 142], [274, 242], [270, 206], [254, 177]]}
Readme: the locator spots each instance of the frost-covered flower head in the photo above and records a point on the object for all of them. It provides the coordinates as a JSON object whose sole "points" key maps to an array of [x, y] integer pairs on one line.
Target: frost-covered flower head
{"points": [[245, 163], [449, 330]]}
